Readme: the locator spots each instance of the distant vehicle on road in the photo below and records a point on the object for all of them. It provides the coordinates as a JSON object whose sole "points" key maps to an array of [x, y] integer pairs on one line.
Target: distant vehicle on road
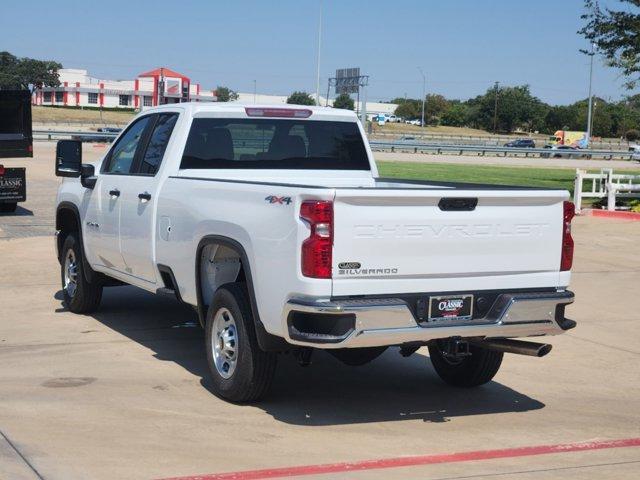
{"points": [[415, 121], [635, 151], [569, 138], [521, 143], [564, 151]]}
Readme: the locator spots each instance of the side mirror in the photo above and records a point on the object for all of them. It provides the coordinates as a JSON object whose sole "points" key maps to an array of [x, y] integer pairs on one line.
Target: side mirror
{"points": [[88, 175], [68, 158]]}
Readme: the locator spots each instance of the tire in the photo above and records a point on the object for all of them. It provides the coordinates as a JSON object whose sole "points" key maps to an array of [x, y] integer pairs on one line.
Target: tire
{"points": [[8, 207], [80, 296], [241, 371], [477, 369], [355, 357]]}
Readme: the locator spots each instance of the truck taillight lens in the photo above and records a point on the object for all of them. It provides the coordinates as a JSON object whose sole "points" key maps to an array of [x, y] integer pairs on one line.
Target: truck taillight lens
{"points": [[317, 249], [569, 211]]}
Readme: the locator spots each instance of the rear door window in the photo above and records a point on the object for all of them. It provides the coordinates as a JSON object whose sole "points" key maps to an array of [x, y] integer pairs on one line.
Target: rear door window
{"points": [[123, 152], [215, 143], [158, 141]]}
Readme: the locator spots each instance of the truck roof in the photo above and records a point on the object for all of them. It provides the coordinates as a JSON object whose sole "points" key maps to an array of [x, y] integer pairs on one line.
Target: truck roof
{"points": [[236, 108]]}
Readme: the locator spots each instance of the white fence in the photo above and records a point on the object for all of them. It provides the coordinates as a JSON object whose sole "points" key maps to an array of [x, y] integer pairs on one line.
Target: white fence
{"points": [[605, 184]]}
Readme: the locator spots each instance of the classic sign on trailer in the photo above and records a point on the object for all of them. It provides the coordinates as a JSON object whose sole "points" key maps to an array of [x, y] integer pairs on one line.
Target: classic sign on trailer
{"points": [[273, 223]]}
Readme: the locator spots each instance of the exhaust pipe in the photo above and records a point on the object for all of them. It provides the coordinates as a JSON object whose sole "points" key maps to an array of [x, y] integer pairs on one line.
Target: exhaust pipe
{"points": [[519, 347]]}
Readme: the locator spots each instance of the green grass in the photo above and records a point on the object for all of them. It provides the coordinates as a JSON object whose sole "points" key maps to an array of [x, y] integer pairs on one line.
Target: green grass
{"points": [[561, 178]]}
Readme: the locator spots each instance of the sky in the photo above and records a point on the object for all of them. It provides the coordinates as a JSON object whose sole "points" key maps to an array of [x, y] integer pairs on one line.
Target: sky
{"points": [[463, 46]]}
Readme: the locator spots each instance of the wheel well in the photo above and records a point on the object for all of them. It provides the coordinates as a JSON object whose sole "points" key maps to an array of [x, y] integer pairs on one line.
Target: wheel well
{"points": [[219, 264], [66, 223]]}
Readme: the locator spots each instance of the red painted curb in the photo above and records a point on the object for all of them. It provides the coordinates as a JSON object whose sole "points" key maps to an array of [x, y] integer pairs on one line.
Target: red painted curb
{"points": [[617, 214], [410, 461]]}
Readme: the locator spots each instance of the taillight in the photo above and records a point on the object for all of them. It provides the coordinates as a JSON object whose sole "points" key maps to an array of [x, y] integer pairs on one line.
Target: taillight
{"points": [[569, 211], [278, 112], [1, 170], [317, 249]]}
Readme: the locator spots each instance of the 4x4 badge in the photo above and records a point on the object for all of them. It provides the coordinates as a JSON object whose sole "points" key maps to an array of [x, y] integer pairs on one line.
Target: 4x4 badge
{"points": [[278, 200]]}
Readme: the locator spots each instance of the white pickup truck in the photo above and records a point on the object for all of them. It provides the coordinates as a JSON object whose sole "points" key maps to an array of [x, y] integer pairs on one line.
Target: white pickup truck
{"points": [[273, 224]]}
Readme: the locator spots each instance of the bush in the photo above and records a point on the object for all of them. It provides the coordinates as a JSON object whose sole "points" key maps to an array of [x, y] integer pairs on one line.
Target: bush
{"points": [[344, 101], [632, 135], [301, 98]]}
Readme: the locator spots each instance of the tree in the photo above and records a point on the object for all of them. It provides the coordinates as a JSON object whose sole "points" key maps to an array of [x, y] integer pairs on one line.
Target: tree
{"points": [[301, 98], [455, 115], [225, 94], [344, 101], [615, 34], [517, 108], [434, 106], [409, 108], [25, 73]]}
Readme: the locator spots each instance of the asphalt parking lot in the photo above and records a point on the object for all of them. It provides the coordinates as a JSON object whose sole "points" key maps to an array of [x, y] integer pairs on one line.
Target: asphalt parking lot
{"points": [[124, 393]]}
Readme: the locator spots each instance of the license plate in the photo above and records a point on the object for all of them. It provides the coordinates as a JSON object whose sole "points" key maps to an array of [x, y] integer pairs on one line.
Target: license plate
{"points": [[450, 307]]}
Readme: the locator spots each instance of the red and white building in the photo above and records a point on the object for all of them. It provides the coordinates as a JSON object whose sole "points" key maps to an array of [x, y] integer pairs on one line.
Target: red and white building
{"points": [[158, 86]]}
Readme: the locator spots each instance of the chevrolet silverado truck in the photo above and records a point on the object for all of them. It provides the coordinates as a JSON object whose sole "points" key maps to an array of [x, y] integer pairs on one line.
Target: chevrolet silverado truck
{"points": [[274, 225]]}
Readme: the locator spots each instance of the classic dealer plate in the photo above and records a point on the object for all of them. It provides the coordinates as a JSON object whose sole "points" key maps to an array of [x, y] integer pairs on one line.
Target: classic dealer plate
{"points": [[450, 307]]}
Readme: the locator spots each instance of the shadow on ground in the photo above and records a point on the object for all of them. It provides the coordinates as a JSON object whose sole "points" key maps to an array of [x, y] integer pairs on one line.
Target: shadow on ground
{"points": [[391, 388]]}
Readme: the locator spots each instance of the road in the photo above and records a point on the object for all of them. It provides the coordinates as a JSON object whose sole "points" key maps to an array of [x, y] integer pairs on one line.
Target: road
{"points": [[124, 393]]}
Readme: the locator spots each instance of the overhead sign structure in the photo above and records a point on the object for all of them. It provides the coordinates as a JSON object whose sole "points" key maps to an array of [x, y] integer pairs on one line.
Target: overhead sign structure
{"points": [[347, 80]]}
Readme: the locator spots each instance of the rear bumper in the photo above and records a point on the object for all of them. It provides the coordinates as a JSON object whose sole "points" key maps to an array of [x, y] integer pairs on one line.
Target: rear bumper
{"points": [[372, 322]]}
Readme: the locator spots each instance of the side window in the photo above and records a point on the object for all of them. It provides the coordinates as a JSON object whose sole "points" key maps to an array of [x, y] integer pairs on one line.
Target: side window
{"points": [[124, 151], [158, 143]]}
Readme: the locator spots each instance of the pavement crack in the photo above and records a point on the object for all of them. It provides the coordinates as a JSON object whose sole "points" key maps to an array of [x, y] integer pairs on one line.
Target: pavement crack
{"points": [[24, 459]]}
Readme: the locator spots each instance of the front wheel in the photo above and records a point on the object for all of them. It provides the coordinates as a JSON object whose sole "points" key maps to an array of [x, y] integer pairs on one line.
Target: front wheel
{"points": [[477, 369], [80, 296], [240, 370]]}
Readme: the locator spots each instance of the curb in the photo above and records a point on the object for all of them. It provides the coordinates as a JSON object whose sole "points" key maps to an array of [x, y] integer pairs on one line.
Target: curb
{"points": [[617, 214]]}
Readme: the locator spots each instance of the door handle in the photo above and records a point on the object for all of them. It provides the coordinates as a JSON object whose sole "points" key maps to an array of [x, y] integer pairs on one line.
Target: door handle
{"points": [[145, 197], [114, 193]]}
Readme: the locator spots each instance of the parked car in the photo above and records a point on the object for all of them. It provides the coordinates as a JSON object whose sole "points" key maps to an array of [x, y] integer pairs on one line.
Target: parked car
{"points": [[521, 143], [291, 242]]}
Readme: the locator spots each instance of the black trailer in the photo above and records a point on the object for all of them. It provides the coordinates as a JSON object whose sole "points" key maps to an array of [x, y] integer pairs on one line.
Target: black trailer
{"points": [[16, 141]]}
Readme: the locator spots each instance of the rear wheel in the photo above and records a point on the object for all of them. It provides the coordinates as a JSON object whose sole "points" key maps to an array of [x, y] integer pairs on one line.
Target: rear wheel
{"points": [[471, 371], [240, 370], [80, 296]]}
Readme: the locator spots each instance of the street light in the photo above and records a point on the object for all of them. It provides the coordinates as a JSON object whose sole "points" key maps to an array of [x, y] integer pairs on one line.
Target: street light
{"points": [[318, 66], [591, 54], [424, 95]]}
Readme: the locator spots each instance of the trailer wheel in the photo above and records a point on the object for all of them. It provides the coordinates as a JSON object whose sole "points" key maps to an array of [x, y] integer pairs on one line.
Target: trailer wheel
{"points": [[8, 207], [80, 296], [477, 369], [240, 370]]}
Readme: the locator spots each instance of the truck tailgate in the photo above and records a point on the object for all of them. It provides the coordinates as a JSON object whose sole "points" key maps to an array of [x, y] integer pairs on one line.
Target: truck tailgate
{"points": [[392, 240]]}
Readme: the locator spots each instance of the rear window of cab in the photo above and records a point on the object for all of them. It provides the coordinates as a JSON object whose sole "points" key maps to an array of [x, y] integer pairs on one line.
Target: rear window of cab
{"points": [[269, 143]]}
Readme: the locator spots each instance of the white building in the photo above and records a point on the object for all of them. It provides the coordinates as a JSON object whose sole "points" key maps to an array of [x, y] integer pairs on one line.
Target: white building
{"points": [[158, 86]]}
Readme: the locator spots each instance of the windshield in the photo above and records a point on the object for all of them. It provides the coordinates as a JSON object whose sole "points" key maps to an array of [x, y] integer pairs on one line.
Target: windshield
{"points": [[274, 143]]}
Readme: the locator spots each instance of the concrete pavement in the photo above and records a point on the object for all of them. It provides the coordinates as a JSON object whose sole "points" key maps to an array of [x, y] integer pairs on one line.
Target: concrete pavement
{"points": [[124, 393]]}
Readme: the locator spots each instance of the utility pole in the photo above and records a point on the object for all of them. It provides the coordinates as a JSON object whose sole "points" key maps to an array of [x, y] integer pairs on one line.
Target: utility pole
{"points": [[318, 66], [589, 114], [495, 109], [424, 95], [255, 91]]}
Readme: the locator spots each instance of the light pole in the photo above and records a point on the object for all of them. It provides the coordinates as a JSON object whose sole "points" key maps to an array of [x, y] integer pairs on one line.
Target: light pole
{"points": [[591, 54], [255, 91], [495, 109], [318, 65], [424, 95]]}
